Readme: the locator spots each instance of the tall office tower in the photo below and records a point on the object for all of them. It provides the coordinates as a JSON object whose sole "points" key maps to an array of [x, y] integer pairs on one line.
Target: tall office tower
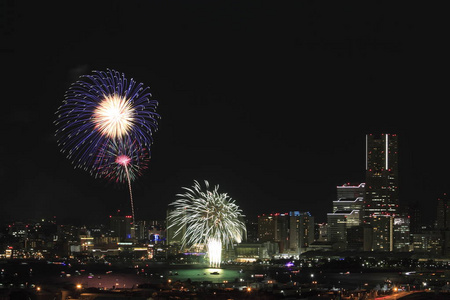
{"points": [[274, 228], [301, 230], [381, 175], [443, 213]]}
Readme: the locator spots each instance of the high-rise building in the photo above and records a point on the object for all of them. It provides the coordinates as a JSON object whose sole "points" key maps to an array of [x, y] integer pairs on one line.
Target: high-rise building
{"points": [[301, 230], [347, 213], [274, 228], [381, 188], [383, 232]]}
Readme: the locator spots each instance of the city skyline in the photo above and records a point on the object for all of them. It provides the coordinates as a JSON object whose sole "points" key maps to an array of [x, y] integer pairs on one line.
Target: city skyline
{"points": [[245, 103]]}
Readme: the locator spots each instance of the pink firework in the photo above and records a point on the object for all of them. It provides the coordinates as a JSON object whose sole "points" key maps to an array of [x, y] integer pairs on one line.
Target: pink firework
{"points": [[123, 160]]}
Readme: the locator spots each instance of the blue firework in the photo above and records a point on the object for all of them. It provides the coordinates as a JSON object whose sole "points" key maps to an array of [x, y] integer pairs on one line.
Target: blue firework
{"points": [[104, 108]]}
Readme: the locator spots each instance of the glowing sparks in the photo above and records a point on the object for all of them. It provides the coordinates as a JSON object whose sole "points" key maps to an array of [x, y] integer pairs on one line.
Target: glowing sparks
{"points": [[101, 108], [214, 252], [113, 116], [123, 160], [208, 218], [120, 161]]}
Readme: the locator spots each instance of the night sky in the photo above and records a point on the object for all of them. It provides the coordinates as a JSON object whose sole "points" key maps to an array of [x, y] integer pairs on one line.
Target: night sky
{"points": [[269, 100]]}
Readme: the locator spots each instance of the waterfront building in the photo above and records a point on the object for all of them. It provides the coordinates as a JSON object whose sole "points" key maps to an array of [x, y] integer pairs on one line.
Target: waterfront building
{"points": [[251, 252]]}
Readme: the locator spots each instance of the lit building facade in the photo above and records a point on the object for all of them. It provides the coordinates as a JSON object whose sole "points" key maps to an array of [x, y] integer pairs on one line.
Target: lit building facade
{"points": [[348, 191], [274, 228], [301, 231], [339, 222], [348, 205], [346, 214], [427, 242], [383, 232], [402, 233], [381, 188]]}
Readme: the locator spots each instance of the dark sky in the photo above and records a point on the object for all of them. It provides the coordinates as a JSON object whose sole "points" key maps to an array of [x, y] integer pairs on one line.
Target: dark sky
{"points": [[270, 100]]}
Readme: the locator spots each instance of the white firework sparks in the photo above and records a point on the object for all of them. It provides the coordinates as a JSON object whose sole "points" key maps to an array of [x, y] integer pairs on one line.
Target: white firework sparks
{"points": [[208, 218], [113, 116]]}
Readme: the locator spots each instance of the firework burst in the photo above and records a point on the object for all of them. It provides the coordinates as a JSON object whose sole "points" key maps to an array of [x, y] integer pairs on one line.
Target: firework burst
{"points": [[100, 108], [209, 218], [121, 161]]}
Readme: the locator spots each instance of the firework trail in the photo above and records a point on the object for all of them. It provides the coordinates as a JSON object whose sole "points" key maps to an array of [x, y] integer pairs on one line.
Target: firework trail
{"points": [[208, 218], [102, 107], [122, 162]]}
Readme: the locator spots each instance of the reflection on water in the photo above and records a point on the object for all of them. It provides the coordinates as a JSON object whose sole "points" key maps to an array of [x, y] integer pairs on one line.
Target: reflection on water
{"points": [[206, 274]]}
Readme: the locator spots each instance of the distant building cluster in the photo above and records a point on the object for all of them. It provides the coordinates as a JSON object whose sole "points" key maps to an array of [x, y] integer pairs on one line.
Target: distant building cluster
{"points": [[364, 217], [45, 239]]}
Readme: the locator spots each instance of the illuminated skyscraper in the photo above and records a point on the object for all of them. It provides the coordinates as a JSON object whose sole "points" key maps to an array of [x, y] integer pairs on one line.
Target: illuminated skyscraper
{"points": [[301, 230], [381, 175]]}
